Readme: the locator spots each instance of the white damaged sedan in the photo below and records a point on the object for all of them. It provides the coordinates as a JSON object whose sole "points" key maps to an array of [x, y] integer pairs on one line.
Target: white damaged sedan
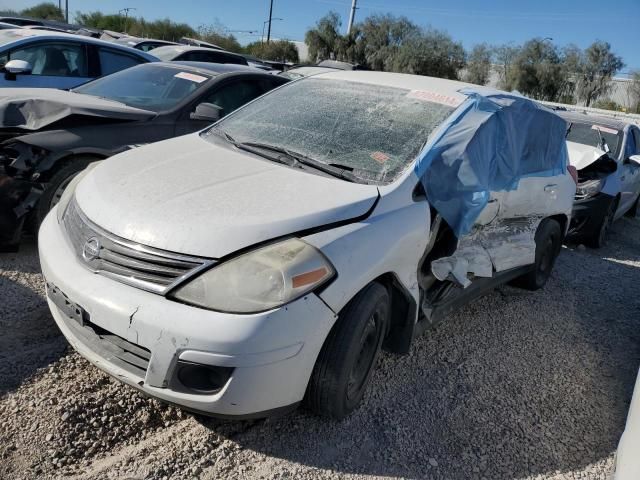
{"points": [[265, 261]]}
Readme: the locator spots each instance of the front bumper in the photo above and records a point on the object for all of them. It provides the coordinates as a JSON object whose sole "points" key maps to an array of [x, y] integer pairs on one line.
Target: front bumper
{"points": [[588, 215], [272, 354]]}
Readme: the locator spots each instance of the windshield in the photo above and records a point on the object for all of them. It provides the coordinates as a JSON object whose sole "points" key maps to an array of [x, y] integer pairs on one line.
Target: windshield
{"points": [[151, 87], [587, 134], [375, 131]]}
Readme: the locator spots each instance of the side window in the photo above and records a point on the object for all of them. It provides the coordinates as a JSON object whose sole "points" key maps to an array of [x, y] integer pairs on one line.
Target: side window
{"points": [[636, 136], [219, 57], [54, 59], [112, 61], [631, 144], [234, 95]]}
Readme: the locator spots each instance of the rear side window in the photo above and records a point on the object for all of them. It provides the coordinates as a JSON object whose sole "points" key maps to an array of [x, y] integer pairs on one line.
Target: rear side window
{"points": [[232, 96], [54, 59], [112, 61]]}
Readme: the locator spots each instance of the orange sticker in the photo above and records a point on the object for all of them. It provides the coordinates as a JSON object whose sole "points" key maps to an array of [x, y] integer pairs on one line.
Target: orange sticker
{"points": [[434, 97], [379, 157]]}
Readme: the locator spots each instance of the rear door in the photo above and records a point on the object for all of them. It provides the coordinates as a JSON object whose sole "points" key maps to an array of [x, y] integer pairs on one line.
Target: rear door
{"points": [[55, 64]]}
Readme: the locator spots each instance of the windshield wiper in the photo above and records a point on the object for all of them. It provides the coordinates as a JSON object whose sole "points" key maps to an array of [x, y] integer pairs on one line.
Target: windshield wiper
{"points": [[294, 158]]}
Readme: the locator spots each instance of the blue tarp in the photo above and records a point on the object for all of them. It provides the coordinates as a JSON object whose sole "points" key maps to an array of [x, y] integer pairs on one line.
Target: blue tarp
{"points": [[492, 141]]}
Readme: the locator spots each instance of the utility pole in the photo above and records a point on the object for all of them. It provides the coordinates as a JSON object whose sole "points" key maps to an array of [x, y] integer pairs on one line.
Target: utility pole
{"points": [[66, 11], [270, 17], [126, 16], [352, 15]]}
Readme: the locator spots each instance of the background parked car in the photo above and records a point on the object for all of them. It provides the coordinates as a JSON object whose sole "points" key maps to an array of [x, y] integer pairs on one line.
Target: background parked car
{"points": [[36, 58], [197, 54], [50, 135], [144, 44], [606, 154]]}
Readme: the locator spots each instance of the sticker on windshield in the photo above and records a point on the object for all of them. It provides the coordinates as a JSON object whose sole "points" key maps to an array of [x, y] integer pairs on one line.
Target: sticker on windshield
{"points": [[191, 77], [434, 97], [604, 129], [379, 157]]}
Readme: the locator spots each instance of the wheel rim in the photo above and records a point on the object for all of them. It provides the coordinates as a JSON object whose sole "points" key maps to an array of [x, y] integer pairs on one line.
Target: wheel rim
{"points": [[57, 194], [368, 348]]}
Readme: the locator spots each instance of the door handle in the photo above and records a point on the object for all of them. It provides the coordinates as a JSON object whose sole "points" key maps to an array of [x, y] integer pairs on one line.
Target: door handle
{"points": [[550, 188]]}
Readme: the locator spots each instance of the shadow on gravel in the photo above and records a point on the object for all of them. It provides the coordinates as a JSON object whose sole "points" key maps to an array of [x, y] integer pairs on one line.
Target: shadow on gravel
{"points": [[516, 384], [29, 338]]}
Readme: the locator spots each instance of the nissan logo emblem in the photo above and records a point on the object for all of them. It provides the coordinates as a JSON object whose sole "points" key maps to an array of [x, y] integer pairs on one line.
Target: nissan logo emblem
{"points": [[91, 249]]}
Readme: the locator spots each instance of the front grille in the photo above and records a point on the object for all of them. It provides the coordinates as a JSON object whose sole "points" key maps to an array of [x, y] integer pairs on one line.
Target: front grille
{"points": [[138, 265]]}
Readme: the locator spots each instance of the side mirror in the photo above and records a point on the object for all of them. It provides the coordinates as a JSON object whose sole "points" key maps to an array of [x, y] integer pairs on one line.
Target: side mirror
{"points": [[17, 67], [634, 159], [207, 112]]}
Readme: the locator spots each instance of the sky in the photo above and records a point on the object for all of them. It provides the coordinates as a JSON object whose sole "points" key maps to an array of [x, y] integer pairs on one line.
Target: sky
{"points": [[469, 21]]}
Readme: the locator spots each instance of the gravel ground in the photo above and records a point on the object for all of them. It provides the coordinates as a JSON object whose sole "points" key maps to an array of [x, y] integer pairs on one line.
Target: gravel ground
{"points": [[518, 385]]}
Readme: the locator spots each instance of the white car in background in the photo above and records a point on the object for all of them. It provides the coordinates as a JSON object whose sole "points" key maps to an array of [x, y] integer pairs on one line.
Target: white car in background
{"points": [[606, 154], [266, 261], [627, 459]]}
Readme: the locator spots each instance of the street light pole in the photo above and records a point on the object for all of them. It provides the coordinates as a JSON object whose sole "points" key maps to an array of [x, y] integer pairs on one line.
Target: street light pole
{"points": [[270, 17], [66, 11]]}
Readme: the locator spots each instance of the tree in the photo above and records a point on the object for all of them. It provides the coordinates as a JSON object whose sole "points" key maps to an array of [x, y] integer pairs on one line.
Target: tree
{"points": [[633, 92], [323, 39], [479, 65], [599, 66], [572, 59], [505, 56], [279, 50], [430, 52], [381, 38], [45, 11], [216, 34], [137, 27], [538, 70]]}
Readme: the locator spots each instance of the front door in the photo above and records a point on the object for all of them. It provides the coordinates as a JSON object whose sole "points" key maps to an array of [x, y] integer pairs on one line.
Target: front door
{"points": [[61, 65]]}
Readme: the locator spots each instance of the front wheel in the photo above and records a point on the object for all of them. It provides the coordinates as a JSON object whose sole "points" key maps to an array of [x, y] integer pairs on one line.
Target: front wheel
{"points": [[599, 238], [57, 184], [548, 244], [348, 356]]}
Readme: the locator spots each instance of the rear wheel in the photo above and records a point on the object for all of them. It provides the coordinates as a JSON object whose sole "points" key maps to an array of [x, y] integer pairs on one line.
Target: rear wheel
{"points": [[599, 238], [548, 245], [57, 184], [348, 356]]}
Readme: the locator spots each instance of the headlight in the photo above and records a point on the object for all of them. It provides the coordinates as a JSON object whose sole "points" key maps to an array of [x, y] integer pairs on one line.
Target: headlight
{"points": [[589, 188], [260, 280]]}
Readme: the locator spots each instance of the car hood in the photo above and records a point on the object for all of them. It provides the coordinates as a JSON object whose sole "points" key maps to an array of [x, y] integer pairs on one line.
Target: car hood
{"points": [[34, 108], [195, 197], [581, 156]]}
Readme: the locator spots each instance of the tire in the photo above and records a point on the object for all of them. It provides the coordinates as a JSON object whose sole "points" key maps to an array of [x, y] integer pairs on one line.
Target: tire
{"points": [[599, 238], [548, 245], [56, 185], [633, 211], [348, 357]]}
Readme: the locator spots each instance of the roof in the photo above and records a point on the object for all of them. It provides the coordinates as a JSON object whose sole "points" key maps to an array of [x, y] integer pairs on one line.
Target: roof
{"points": [[584, 117], [441, 86], [216, 68], [138, 40]]}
